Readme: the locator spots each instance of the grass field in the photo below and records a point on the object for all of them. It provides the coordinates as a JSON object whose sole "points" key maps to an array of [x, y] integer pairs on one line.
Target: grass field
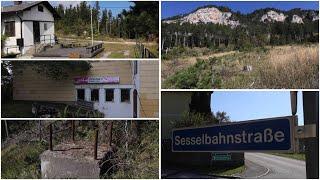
{"points": [[21, 161], [232, 171], [290, 67]]}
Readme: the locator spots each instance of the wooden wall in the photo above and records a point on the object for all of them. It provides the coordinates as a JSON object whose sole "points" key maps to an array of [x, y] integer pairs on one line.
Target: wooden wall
{"points": [[149, 89], [36, 87]]}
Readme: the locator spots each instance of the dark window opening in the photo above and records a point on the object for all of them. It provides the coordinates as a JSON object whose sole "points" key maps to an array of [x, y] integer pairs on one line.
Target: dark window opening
{"points": [[40, 8], [45, 26], [125, 95], [109, 95], [95, 95], [80, 94], [9, 29]]}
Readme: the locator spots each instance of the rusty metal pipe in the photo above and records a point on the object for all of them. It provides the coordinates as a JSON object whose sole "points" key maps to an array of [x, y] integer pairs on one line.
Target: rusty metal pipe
{"points": [[50, 137], [96, 145]]}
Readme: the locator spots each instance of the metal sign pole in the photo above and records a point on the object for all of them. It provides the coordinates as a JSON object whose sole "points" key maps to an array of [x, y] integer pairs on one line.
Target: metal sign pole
{"points": [[311, 116]]}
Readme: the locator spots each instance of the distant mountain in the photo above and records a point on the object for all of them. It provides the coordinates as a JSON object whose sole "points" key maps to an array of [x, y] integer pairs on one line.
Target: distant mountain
{"points": [[224, 16], [208, 14]]}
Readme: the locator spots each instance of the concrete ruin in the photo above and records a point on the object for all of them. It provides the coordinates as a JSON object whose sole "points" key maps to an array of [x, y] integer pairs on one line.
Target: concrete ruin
{"points": [[73, 160]]}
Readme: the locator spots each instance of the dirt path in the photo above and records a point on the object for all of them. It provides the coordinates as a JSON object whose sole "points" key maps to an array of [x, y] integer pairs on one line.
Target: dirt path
{"points": [[169, 67], [193, 60]]}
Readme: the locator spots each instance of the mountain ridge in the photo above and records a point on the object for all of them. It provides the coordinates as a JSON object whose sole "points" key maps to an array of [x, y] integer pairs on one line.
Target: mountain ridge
{"points": [[226, 16]]}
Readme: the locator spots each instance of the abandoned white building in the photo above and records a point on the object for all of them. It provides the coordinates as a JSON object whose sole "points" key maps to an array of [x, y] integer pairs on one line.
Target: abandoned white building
{"points": [[27, 26]]}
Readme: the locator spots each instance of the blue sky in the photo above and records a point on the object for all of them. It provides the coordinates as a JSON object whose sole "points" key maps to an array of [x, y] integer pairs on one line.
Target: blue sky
{"points": [[249, 105], [172, 8], [115, 6]]}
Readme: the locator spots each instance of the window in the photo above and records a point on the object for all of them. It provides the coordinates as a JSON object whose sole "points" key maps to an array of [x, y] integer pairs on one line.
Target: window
{"points": [[40, 8], [80, 94], [45, 26], [109, 95], [95, 95], [9, 29], [125, 95]]}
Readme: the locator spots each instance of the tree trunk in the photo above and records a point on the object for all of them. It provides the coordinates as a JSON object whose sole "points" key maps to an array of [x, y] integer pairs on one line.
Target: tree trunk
{"points": [[134, 131], [40, 130], [162, 43], [6, 127]]}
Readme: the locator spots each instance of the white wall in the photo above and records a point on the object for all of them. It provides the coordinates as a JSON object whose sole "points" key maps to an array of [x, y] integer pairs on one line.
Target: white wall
{"points": [[27, 28], [115, 109], [35, 15], [27, 31], [49, 33]]}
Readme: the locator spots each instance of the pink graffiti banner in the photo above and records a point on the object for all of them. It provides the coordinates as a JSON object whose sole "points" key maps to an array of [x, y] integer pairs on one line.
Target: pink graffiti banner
{"points": [[97, 80]]}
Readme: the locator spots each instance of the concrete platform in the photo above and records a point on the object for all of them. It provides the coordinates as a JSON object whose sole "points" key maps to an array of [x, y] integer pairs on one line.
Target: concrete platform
{"points": [[72, 160]]}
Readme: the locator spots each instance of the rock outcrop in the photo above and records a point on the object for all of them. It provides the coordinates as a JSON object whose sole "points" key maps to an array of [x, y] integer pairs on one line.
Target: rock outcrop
{"points": [[296, 19], [207, 15], [273, 16]]}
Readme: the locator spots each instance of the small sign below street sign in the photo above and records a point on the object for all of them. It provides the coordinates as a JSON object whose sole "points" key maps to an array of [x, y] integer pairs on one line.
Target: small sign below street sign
{"points": [[221, 157], [274, 134]]}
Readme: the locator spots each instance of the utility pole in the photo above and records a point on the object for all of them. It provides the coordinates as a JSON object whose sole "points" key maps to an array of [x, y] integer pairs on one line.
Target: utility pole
{"points": [[311, 116], [98, 24], [293, 98], [106, 26], [91, 29]]}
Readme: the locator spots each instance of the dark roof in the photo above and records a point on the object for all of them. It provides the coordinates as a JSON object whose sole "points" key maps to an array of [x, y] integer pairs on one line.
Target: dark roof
{"points": [[24, 6]]}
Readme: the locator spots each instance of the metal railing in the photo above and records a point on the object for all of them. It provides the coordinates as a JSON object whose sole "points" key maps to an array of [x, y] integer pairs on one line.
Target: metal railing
{"points": [[144, 52], [73, 134], [94, 48], [51, 40]]}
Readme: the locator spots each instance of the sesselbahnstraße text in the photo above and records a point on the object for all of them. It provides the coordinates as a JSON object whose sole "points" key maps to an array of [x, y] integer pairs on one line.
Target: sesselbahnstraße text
{"points": [[267, 136]]}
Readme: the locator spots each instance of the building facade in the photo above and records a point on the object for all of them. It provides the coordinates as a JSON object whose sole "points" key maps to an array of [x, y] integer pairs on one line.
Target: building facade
{"points": [[26, 25], [118, 89]]}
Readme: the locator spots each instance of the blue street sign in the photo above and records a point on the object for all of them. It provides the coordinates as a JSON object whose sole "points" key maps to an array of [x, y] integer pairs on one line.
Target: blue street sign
{"points": [[274, 134]]}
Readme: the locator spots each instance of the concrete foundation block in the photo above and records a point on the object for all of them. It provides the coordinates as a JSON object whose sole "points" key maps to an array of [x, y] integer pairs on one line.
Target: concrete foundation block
{"points": [[71, 161]]}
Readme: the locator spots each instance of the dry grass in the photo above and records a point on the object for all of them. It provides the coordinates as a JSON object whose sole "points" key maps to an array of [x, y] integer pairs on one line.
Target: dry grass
{"points": [[295, 67], [289, 67], [286, 54]]}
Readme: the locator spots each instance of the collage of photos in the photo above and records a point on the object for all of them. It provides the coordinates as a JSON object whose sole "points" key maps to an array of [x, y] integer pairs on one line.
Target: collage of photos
{"points": [[159, 89]]}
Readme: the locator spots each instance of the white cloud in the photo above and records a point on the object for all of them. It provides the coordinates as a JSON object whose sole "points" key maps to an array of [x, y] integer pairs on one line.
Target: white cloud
{"points": [[65, 3]]}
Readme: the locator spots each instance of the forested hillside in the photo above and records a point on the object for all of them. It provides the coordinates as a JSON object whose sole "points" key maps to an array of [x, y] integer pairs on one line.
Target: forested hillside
{"points": [[140, 21], [249, 30]]}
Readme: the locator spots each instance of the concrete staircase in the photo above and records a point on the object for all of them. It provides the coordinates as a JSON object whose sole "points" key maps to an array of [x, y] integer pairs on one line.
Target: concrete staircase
{"points": [[39, 47]]}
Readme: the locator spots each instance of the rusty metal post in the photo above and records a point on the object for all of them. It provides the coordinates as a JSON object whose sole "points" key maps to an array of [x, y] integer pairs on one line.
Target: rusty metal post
{"points": [[50, 137], [96, 145], [73, 130]]}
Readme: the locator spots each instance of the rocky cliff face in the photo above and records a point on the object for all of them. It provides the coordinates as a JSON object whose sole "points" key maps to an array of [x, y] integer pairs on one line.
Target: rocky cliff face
{"points": [[273, 16], [296, 19], [207, 15]]}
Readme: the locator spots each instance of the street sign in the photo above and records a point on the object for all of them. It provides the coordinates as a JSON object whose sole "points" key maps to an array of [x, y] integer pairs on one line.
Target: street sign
{"points": [[97, 80], [221, 157], [274, 134]]}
